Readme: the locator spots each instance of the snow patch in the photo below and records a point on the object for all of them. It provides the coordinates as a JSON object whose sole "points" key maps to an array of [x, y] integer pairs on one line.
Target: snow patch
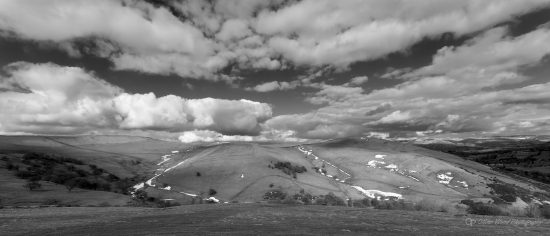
{"points": [[379, 156], [150, 181], [167, 188], [373, 163], [175, 166], [139, 186], [445, 178], [213, 199], [310, 153], [391, 166], [373, 193], [464, 184], [174, 152], [189, 194], [165, 158]]}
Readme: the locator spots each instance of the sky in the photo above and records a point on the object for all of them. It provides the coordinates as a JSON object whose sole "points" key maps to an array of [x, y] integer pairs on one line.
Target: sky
{"points": [[281, 70]]}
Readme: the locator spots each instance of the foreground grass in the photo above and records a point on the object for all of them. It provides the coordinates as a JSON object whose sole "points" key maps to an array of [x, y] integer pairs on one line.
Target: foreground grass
{"points": [[254, 219]]}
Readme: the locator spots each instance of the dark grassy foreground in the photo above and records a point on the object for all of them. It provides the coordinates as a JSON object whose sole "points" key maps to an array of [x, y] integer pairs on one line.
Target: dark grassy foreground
{"points": [[256, 219]]}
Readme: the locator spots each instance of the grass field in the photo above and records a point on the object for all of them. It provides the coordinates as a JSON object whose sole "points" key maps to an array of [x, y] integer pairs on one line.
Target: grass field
{"points": [[256, 219]]}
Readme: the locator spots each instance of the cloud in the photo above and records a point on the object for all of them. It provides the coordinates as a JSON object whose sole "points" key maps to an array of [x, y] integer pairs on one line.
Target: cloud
{"points": [[492, 49], [334, 93], [314, 126], [355, 81], [343, 32], [48, 98], [211, 136], [199, 39], [476, 87], [274, 85]]}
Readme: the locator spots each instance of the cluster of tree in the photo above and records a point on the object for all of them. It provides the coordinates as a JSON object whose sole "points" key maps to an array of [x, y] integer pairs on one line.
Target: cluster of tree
{"points": [[71, 173], [288, 168], [304, 198]]}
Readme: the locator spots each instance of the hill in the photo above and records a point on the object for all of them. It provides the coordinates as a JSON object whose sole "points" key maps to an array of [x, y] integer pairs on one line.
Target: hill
{"points": [[118, 157], [334, 172], [350, 168]]}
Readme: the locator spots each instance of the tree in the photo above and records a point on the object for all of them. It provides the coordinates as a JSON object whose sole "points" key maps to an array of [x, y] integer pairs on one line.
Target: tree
{"points": [[70, 184], [212, 192], [141, 195], [33, 185]]}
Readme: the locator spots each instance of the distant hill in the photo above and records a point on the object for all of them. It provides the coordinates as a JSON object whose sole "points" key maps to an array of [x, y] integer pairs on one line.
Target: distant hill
{"points": [[351, 168], [518, 156]]}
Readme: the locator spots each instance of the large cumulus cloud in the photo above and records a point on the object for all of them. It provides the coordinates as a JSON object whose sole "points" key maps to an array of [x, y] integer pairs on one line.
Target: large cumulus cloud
{"points": [[200, 38], [476, 87], [48, 98]]}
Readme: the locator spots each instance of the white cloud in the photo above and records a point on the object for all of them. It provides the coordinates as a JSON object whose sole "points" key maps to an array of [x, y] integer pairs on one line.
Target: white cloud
{"points": [[205, 37], [274, 85], [334, 93], [462, 91], [491, 50], [211, 136], [356, 81], [48, 98], [339, 33], [396, 117], [234, 29]]}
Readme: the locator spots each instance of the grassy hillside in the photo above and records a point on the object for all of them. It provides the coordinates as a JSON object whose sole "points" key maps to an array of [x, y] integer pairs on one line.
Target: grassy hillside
{"points": [[528, 158], [336, 172], [100, 169], [348, 168], [257, 219]]}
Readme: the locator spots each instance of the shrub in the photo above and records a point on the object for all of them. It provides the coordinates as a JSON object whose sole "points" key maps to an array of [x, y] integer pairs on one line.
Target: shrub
{"points": [[33, 185], [333, 200], [165, 203], [198, 174], [51, 201], [533, 211], [212, 192], [275, 195], [290, 169], [291, 201], [467, 202], [375, 202], [503, 189], [140, 195], [486, 209], [303, 197], [436, 205], [366, 202], [395, 205], [320, 201], [545, 211], [358, 204], [508, 198]]}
